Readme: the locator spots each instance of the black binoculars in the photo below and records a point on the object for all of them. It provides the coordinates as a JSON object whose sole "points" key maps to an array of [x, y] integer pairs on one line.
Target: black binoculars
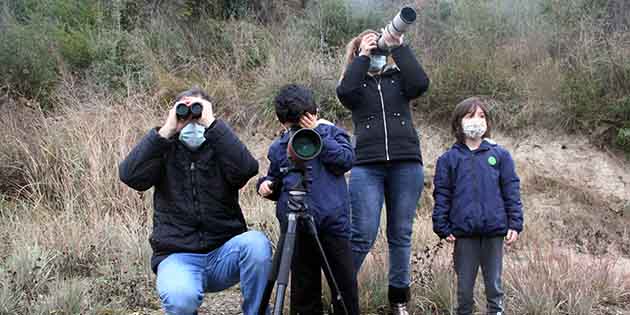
{"points": [[183, 111]]}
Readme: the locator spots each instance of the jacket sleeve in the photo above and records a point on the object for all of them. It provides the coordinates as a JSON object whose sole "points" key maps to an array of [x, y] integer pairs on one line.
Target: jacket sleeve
{"points": [[415, 80], [236, 161], [443, 196], [273, 174], [337, 154], [142, 168], [510, 189], [349, 88]]}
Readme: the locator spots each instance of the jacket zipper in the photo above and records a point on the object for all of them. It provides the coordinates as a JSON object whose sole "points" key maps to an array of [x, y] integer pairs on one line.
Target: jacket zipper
{"points": [[380, 93], [195, 202]]}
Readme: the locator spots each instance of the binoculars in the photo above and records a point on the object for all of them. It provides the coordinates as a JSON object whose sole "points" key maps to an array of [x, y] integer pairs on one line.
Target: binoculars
{"points": [[399, 25], [183, 111]]}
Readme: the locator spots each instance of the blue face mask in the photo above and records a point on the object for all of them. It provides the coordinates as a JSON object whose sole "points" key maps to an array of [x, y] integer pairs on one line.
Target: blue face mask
{"points": [[377, 62], [192, 135]]}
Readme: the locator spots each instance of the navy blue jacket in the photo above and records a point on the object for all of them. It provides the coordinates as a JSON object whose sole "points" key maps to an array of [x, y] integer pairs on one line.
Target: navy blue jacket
{"points": [[328, 200], [476, 192]]}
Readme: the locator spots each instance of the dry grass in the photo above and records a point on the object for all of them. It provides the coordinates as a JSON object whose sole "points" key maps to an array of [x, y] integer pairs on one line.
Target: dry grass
{"points": [[78, 240]]}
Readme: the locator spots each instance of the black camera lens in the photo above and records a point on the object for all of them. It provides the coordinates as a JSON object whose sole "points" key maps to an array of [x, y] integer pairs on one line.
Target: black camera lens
{"points": [[196, 109], [182, 111]]}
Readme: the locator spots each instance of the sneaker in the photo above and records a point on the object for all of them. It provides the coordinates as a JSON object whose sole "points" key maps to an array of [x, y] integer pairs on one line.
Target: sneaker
{"points": [[398, 309]]}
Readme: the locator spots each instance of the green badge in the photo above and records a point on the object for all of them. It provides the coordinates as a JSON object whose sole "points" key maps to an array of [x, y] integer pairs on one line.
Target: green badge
{"points": [[492, 161]]}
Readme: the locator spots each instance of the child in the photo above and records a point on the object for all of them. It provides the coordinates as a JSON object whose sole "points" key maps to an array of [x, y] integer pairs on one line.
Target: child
{"points": [[477, 204], [327, 201]]}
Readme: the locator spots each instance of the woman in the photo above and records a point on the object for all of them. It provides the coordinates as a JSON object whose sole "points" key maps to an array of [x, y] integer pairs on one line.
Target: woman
{"points": [[377, 86]]}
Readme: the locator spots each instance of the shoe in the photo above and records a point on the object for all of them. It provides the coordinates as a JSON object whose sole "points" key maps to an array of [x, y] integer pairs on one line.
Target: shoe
{"points": [[398, 309]]}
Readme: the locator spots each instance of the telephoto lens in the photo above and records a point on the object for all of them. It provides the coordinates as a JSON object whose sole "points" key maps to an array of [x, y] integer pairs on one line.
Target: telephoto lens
{"points": [[399, 25]]}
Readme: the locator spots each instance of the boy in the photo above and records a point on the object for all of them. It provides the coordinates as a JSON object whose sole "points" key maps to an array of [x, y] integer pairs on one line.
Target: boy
{"points": [[327, 201]]}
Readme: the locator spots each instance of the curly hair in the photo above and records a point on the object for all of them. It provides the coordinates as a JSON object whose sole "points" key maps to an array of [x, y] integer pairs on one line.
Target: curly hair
{"points": [[292, 101]]}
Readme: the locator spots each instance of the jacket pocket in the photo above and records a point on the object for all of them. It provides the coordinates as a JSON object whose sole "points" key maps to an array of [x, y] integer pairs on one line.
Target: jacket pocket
{"points": [[401, 127], [172, 233]]}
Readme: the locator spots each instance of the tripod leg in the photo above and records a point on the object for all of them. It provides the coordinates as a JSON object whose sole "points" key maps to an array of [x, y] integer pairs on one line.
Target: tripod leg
{"points": [[327, 269], [273, 275], [285, 263]]}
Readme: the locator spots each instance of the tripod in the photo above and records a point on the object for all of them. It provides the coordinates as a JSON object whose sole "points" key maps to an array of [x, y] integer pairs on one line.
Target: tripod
{"points": [[286, 245]]}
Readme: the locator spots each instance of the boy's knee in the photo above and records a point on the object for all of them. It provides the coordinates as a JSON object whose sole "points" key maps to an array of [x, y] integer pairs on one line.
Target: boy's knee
{"points": [[181, 300]]}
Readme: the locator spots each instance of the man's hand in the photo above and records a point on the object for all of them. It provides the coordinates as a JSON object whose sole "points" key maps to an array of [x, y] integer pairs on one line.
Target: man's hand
{"points": [[207, 115], [308, 120], [511, 237], [451, 238], [265, 188], [172, 124]]}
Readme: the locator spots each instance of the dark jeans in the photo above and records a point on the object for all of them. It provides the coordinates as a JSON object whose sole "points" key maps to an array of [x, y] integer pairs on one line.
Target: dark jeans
{"points": [[306, 282], [469, 254], [399, 185]]}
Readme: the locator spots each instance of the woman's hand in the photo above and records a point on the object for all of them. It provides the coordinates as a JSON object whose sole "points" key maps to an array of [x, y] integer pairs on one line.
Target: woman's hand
{"points": [[368, 43], [451, 238]]}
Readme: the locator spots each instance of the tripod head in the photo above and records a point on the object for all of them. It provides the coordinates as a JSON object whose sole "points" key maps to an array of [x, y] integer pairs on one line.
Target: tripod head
{"points": [[298, 193]]}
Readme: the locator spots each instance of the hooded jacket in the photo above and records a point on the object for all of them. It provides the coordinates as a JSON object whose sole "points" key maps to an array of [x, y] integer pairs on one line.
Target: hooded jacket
{"points": [[381, 116], [476, 192], [195, 200]]}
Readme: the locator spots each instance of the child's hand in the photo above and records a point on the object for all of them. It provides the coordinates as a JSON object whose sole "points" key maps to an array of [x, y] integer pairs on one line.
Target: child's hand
{"points": [[265, 188], [308, 120], [451, 238], [511, 237]]}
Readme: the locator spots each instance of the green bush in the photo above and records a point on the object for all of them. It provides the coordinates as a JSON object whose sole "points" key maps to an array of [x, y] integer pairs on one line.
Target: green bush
{"points": [[25, 56], [332, 23]]}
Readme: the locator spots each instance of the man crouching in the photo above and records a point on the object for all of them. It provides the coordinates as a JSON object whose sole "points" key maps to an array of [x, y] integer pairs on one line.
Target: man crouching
{"points": [[200, 240]]}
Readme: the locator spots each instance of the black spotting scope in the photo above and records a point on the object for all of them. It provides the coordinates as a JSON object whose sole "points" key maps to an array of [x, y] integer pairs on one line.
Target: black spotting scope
{"points": [[305, 144]]}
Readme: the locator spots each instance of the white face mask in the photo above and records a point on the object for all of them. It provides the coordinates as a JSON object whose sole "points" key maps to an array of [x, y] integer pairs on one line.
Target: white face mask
{"points": [[192, 135], [377, 62], [474, 128]]}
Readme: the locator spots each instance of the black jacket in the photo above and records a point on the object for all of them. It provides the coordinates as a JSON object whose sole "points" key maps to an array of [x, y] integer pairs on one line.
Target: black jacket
{"points": [[195, 201], [380, 109]]}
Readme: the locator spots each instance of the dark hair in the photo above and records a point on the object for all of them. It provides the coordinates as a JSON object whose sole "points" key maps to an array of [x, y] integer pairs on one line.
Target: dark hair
{"points": [[462, 109], [292, 102], [195, 91]]}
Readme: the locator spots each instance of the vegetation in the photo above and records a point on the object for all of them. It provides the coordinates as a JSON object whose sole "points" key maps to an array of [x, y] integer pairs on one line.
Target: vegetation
{"points": [[84, 79]]}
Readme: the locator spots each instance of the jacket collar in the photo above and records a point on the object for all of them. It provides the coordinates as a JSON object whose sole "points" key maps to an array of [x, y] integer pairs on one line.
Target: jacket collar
{"points": [[486, 144]]}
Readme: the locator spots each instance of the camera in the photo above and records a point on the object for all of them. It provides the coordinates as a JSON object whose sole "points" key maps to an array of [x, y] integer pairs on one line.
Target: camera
{"points": [[183, 111], [399, 25]]}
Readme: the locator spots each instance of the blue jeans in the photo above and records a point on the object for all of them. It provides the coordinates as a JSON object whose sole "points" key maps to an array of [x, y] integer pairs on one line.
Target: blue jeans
{"points": [[400, 185], [183, 278]]}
